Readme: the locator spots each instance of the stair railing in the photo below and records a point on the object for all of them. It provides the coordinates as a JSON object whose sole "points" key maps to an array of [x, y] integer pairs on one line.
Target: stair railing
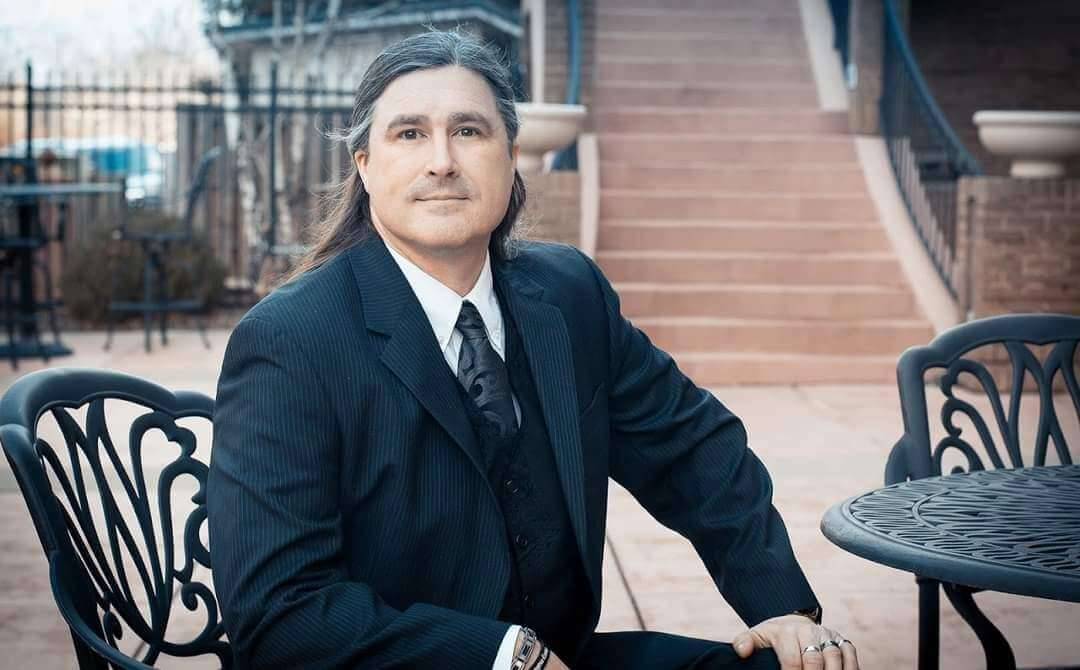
{"points": [[927, 157]]}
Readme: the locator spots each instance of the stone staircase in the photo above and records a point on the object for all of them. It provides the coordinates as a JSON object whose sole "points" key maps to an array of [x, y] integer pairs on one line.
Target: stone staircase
{"points": [[735, 221]]}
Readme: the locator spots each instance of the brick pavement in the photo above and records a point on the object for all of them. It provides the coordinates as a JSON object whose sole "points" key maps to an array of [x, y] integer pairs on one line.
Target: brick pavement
{"points": [[822, 444]]}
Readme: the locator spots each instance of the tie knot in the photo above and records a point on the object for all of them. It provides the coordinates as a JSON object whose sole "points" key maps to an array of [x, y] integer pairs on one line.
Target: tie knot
{"points": [[470, 323]]}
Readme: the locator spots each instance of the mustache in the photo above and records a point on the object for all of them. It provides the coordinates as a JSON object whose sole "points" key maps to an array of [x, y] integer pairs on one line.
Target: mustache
{"points": [[442, 189]]}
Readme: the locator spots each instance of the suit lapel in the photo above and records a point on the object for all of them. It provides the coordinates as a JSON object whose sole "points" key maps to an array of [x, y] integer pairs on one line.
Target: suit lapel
{"points": [[412, 353], [547, 347]]}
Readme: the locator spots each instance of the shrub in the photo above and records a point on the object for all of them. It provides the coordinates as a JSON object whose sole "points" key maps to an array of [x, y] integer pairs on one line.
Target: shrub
{"points": [[103, 269]]}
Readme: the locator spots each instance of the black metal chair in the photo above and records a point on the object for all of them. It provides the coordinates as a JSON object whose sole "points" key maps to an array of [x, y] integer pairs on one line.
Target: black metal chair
{"points": [[106, 529], [155, 245], [915, 456]]}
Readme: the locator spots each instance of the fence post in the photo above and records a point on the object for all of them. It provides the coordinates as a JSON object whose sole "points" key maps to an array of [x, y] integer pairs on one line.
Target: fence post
{"points": [[28, 216], [31, 164], [271, 241]]}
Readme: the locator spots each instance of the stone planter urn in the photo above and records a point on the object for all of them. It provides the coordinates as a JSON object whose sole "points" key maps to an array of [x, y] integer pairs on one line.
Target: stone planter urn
{"points": [[545, 127], [1038, 143]]}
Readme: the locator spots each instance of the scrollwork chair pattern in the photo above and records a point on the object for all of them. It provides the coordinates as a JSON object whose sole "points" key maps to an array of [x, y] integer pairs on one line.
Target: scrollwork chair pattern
{"points": [[995, 439], [116, 562]]}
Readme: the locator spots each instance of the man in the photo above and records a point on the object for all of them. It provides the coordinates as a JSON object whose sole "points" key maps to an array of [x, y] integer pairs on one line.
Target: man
{"points": [[413, 436]]}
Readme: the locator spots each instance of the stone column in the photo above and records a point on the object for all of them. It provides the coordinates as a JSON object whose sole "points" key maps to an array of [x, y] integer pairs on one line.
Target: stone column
{"points": [[867, 36]]}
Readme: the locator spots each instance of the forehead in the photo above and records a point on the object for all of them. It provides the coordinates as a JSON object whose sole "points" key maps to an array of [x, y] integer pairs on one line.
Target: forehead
{"points": [[436, 92]]}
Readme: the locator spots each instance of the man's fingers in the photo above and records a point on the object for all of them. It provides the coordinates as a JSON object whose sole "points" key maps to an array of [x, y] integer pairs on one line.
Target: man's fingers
{"points": [[743, 644], [809, 660], [788, 644], [834, 659], [851, 658]]}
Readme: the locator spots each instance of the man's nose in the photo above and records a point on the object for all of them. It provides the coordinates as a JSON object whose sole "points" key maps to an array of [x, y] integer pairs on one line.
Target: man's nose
{"points": [[441, 163]]}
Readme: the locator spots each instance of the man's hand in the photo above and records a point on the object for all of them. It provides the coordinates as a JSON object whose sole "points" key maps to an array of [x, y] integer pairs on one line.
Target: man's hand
{"points": [[789, 635]]}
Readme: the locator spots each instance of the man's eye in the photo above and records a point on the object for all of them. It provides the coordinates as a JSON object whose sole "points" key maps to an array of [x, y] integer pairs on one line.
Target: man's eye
{"points": [[469, 132], [410, 134]]}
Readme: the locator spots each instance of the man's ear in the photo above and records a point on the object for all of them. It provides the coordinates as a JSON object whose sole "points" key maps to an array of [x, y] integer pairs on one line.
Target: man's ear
{"points": [[360, 159]]}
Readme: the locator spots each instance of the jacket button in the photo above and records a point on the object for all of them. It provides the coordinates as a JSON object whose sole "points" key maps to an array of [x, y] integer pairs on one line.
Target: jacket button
{"points": [[527, 600], [511, 486], [521, 541]]}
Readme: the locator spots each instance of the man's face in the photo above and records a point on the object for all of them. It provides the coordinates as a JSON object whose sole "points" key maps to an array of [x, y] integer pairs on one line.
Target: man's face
{"points": [[438, 168]]}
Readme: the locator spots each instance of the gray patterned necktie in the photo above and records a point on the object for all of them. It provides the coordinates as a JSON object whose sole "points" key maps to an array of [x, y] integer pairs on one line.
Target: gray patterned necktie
{"points": [[483, 373]]}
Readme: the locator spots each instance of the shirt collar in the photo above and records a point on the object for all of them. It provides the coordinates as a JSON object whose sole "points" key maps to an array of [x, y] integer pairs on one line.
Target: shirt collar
{"points": [[442, 304]]}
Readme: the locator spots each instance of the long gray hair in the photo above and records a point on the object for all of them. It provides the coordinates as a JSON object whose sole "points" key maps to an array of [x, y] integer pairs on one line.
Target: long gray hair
{"points": [[349, 218]]}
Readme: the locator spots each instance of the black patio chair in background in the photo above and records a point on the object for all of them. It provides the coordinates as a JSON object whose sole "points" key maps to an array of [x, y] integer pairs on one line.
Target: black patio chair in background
{"points": [[113, 566], [156, 244], [915, 456]]}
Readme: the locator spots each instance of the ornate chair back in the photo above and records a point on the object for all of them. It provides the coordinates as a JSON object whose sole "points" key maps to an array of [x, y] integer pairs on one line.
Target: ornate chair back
{"points": [[108, 466], [961, 354]]}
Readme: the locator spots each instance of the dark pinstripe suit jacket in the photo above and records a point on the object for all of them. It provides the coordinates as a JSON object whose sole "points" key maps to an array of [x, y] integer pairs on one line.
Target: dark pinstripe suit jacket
{"points": [[350, 523]]}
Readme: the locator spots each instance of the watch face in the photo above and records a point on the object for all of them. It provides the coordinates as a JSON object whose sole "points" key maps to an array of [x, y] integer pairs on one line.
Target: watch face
{"points": [[813, 613]]}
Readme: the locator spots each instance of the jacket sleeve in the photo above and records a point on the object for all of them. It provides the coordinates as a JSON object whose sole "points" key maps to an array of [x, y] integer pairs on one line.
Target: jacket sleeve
{"points": [[276, 534], [684, 457]]}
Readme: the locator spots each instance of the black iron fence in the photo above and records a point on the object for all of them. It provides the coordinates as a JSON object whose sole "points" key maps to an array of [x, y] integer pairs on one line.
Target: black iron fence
{"points": [[149, 133], [926, 155]]}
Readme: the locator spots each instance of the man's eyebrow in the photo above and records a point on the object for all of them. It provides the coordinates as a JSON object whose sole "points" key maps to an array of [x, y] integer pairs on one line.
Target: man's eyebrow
{"points": [[471, 117], [407, 120], [455, 118]]}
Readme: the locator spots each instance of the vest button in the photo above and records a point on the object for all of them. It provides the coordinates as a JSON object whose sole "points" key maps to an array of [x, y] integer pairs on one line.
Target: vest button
{"points": [[521, 541], [527, 600], [511, 486]]}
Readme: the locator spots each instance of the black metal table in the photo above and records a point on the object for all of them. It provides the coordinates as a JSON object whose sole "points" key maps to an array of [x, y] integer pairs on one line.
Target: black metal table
{"points": [[18, 262], [1015, 531]]}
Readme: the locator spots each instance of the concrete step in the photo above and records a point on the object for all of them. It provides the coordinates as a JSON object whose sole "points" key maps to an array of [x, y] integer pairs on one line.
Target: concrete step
{"points": [[676, 235], [706, 47], [722, 369], [633, 204], [640, 148], [882, 337], [735, 178], [871, 268], [769, 301], [656, 68], [722, 29], [616, 94], [695, 22], [721, 122], [772, 7]]}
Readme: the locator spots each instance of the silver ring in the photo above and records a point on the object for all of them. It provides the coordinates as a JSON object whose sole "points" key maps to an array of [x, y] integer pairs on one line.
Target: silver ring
{"points": [[843, 640], [829, 643], [811, 647]]}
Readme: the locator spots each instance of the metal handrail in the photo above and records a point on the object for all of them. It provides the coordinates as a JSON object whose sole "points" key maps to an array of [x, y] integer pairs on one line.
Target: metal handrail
{"points": [[894, 29], [926, 155], [841, 15], [567, 158]]}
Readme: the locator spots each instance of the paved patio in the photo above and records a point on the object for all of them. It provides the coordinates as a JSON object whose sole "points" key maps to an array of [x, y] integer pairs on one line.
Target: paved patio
{"points": [[822, 444]]}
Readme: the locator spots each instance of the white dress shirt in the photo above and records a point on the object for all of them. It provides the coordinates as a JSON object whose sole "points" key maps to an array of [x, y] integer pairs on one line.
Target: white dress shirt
{"points": [[442, 305]]}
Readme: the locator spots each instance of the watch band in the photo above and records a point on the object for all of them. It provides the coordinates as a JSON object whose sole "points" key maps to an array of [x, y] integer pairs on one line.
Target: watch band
{"points": [[529, 640], [813, 613]]}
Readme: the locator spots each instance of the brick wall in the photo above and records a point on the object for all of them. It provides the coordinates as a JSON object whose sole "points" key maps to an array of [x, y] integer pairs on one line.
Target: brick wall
{"points": [[556, 51], [989, 54], [1018, 250], [1018, 245], [553, 207]]}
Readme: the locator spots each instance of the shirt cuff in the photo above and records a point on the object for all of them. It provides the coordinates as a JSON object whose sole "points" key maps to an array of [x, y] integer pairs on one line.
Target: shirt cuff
{"points": [[505, 655]]}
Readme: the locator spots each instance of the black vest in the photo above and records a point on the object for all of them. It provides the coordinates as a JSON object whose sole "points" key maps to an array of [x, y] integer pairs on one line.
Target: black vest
{"points": [[548, 590]]}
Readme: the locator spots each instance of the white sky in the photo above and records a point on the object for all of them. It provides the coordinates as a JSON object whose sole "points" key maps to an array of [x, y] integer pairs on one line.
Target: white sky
{"points": [[95, 35]]}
